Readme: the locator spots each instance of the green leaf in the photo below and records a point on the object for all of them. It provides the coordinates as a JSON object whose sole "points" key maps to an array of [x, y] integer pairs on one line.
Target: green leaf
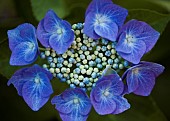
{"points": [[142, 109], [142, 4], [40, 7]]}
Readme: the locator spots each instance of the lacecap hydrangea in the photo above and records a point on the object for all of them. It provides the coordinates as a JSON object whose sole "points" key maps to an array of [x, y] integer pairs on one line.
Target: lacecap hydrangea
{"points": [[88, 56]]}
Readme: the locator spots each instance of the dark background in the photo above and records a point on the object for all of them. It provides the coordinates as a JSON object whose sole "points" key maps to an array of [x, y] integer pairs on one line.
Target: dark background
{"points": [[12, 106]]}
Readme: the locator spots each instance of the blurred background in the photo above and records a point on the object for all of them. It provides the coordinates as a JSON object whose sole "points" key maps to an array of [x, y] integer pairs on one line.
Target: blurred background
{"points": [[155, 12]]}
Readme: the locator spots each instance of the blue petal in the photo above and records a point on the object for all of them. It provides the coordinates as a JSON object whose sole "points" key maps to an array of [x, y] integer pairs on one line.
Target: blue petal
{"points": [[37, 94], [141, 31], [138, 50], [18, 80], [35, 69], [107, 30], [89, 26], [64, 102], [101, 103], [122, 46], [117, 84], [157, 69], [115, 12], [145, 78], [23, 54], [61, 42], [23, 33], [121, 104], [132, 81], [51, 21], [73, 116], [96, 4], [43, 35]]}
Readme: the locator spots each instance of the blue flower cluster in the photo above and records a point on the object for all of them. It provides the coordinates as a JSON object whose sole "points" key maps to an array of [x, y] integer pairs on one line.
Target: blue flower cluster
{"points": [[88, 56]]}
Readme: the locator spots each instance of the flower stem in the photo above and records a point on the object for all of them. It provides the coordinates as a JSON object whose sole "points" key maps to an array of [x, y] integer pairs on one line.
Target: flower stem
{"points": [[42, 49]]}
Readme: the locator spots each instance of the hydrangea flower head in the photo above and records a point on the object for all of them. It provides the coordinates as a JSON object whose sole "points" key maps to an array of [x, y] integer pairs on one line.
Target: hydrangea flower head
{"points": [[135, 39], [87, 56], [33, 84], [141, 78], [103, 19], [73, 105], [55, 33], [23, 44]]}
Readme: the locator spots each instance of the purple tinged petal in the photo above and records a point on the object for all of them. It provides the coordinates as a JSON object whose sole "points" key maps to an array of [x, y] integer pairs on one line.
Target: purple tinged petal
{"points": [[157, 69], [101, 98], [51, 21], [73, 116], [18, 80], [73, 103], [138, 50], [121, 104], [96, 4], [146, 82], [43, 35], [23, 33], [32, 95], [23, 54], [149, 36], [132, 81], [89, 26]]}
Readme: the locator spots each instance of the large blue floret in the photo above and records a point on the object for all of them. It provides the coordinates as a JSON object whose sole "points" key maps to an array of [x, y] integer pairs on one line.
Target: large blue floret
{"points": [[33, 84], [23, 44], [55, 33], [141, 78], [73, 105], [135, 39], [103, 19], [106, 96]]}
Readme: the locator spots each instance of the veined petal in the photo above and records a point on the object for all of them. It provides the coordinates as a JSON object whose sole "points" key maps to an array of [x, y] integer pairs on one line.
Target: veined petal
{"points": [[60, 42], [72, 100], [23, 33], [23, 54], [43, 35], [95, 5], [73, 116], [18, 80], [107, 30], [101, 98], [145, 79], [51, 21], [121, 104], [138, 50], [157, 69], [89, 26], [132, 81], [122, 45], [32, 95]]}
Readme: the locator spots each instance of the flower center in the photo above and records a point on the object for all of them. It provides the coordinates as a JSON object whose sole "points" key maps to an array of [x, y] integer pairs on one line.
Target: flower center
{"points": [[106, 93], [83, 63], [76, 101], [130, 39], [59, 31], [135, 71], [100, 19], [31, 45], [37, 80]]}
